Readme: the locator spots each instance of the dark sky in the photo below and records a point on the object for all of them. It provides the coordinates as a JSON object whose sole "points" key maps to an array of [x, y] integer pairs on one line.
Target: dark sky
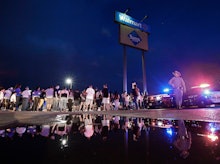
{"points": [[42, 42]]}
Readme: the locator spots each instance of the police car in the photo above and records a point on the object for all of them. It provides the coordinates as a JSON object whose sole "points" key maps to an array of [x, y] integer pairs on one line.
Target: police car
{"points": [[215, 97], [163, 100], [201, 96], [197, 96]]}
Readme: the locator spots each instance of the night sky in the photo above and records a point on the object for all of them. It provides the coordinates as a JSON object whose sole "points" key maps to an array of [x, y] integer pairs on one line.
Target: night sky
{"points": [[42, 42]]}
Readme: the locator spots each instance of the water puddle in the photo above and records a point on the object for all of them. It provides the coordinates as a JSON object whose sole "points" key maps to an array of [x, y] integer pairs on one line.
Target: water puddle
{"points": [[111, 139]]}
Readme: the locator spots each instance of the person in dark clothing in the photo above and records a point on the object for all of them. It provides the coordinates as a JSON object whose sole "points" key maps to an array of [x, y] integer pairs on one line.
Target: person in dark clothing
{"points": [[17, 90], [135, 92], [36, 98], [77, 99], [106, 97]]}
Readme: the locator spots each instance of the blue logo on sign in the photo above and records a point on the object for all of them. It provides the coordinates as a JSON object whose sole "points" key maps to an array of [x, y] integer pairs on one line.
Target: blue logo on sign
{"points": [[134, 37]]}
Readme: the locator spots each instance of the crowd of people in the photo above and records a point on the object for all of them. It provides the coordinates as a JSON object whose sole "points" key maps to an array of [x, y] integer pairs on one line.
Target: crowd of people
{"points": [[55, 98]]}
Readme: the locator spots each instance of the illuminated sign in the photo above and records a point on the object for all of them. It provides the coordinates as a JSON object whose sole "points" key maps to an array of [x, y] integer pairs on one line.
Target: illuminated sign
{"points": [[131, 22], [133, 37]]}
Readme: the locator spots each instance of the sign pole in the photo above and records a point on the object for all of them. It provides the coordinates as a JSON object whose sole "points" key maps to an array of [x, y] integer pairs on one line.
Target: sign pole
{"points": [[124, 70], [144, 73]]}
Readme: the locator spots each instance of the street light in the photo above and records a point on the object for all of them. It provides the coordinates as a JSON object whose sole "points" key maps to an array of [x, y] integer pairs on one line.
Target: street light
{"points": [[69, 82]]}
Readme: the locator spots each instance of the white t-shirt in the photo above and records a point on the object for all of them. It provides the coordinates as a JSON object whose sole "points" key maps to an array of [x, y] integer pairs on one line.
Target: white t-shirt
{"points": [[1, 95], [90, 93]]}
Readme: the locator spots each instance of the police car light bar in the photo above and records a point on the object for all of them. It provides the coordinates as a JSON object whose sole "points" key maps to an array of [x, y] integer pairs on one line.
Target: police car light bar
{"points": [[204, 85]]}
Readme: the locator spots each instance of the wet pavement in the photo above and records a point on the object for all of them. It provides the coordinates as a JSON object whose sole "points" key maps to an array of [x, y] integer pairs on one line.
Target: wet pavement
{"points": [[202, 114], [175, 136]]}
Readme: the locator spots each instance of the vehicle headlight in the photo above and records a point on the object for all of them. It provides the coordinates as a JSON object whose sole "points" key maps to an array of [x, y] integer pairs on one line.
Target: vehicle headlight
{"points": [[158, 98], [206, 92]]}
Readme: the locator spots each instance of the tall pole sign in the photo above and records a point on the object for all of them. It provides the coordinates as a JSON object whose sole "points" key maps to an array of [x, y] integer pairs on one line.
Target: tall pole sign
{"points": [[132, 33]]}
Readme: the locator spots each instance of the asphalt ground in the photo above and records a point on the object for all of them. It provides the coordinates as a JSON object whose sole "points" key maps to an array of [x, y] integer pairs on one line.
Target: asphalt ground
{"points": [[8, 118]]}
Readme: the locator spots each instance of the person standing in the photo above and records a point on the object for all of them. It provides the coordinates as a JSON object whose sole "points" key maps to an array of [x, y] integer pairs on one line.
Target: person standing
{"points": [[179, 87], [116, 100], [76, 100], [40, 106], [127, 98], [26, 95], [2, 93], [6, 99], [98, 99], [49, 97], [36, 98], [18, 96], [64, 95], [82, 100], [56, 98], [135, 94], [105, 97], [13, 101], [90, 95]]}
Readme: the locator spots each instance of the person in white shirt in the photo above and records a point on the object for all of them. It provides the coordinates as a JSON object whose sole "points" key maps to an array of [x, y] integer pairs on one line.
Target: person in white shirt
{"points": [[26, 95], [90, 94], [2, 92], [127, 99], [6, 99], [13, 101], [64, 95]]}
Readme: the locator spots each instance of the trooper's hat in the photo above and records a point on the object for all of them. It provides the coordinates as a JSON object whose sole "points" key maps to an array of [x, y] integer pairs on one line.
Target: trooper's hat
{"points": [[176, 73]]}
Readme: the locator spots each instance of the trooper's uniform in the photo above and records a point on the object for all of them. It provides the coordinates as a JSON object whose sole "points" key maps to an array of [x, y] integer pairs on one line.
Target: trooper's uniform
{"points": [[179, 87]]}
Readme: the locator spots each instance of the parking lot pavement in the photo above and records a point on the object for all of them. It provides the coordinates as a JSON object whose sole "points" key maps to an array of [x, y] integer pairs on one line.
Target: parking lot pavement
{"points": [[202, 114]]}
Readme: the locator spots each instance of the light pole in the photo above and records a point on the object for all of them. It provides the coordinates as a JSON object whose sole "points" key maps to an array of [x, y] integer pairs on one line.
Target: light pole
{"points": [[69, 82]]}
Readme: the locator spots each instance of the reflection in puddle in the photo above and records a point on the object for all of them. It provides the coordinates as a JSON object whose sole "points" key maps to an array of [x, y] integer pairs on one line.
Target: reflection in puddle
{"points": [[112, 139]]}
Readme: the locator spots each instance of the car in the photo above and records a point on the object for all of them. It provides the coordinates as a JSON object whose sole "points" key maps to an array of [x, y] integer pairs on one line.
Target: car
{"points": [[163, 100], [215, 97], [200, 96]]}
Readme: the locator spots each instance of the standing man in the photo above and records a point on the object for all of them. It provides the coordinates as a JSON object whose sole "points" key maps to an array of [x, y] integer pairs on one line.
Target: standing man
{"points": [[18, 96], [90, 95], [64, 96], [135, 94], [179, 88], [49, 97], [26, 95]]}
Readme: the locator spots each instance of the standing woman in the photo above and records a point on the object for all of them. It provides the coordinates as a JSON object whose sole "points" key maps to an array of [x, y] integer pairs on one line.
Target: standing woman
{"points": [[179, 88], [105, 97]]}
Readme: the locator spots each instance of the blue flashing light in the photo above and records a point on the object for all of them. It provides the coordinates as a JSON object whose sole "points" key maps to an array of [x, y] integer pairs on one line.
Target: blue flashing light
{"points": [[169, 131], [166, 90]]}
